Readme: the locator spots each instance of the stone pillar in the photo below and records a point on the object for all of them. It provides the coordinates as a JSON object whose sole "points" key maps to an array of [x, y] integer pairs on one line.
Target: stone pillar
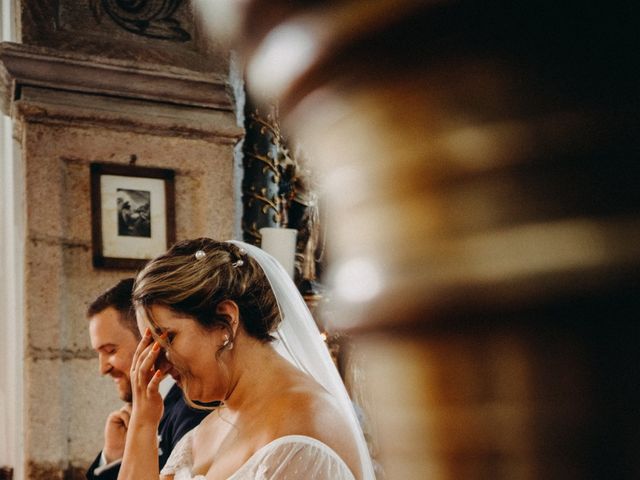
{"points": [[86, 86]]}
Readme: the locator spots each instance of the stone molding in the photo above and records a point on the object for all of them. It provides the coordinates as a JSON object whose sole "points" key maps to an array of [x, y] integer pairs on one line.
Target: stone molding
{"points": [[29, 66], [41, 105]]}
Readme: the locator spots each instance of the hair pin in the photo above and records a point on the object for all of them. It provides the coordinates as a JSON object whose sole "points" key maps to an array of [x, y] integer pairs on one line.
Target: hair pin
{"points": [[238, 263], [200, 255]]}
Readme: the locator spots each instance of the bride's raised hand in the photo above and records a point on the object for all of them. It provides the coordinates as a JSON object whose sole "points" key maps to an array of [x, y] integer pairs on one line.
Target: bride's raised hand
{"points": [[145, 381]]}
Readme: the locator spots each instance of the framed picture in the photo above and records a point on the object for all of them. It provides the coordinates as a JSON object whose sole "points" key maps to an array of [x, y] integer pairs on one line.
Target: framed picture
{"points": [[132, 214]]}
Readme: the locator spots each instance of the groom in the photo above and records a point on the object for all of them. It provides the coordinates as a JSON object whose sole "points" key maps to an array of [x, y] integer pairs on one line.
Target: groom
{"points": [[115, 336]]}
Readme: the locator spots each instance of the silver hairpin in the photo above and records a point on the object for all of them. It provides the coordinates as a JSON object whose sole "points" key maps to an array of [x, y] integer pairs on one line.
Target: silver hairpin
{"points": [[200, 255]]}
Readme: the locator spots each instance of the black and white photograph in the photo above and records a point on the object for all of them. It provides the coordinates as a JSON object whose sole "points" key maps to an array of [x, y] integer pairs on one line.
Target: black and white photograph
{"points": [[134, 208], [132, 214]]}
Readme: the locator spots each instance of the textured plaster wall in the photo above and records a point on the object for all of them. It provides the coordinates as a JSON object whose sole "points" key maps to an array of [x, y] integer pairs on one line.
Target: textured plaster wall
{"points": [[66, 401]]}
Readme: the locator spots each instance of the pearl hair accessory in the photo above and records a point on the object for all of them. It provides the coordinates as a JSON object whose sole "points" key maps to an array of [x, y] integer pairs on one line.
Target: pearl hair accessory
{"points": [[239, 262], [200, 255]]}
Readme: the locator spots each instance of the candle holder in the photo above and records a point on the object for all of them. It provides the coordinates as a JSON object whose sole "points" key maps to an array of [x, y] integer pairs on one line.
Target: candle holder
{"points": [[281, 244]]}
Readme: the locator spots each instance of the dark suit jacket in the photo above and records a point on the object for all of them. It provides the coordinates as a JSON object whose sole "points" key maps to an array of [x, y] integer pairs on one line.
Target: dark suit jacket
{"points": [[177, 419]]}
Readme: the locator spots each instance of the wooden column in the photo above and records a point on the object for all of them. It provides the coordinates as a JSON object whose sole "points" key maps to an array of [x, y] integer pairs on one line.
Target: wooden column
{"points": [[481, 166]]}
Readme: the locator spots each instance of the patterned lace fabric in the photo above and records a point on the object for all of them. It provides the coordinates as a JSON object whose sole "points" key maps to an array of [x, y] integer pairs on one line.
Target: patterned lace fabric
{"points": [[286, 458], [181, 459]]}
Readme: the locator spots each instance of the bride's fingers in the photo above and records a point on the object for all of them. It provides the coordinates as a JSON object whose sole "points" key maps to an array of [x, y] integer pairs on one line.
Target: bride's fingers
{"points": [[142, 345], [139, 375], [147, 360], [154, 383]]}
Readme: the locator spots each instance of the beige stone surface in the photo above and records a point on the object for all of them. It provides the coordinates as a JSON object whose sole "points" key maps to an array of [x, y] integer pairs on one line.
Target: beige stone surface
{"points": [[45, 410], [68, 404], [76, 220], [86, 409], [83, 288], [66, 399], [44, 185], [44, 296]]}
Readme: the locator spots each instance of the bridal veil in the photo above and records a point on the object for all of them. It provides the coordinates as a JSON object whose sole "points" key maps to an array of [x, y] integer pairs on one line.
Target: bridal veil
{"points": [[299, 341]]}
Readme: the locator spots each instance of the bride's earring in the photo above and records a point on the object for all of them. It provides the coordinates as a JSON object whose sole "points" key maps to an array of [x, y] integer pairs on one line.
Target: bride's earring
{"points": [[227, 342]]}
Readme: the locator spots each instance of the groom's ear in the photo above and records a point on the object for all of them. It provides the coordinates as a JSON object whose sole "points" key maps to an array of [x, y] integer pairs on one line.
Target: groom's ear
{"points": [[230, 309]]}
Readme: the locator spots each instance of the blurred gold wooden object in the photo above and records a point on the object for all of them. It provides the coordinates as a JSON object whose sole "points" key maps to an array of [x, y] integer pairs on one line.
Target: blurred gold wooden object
{"points": [[480, 164]]}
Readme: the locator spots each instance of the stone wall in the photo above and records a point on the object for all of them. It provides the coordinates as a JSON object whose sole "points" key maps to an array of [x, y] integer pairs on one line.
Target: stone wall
{"points": [[81, 88], [66, 400]]}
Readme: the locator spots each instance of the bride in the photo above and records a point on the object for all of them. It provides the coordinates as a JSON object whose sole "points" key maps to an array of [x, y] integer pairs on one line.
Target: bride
{"points": [[225, 320]]}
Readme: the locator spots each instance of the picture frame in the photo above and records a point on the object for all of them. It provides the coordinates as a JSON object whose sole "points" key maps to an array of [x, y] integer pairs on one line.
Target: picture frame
{"points": [[132, 214]]}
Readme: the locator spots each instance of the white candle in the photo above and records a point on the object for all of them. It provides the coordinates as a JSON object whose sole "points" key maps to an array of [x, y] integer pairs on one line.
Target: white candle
{"points": [[281, 244]]}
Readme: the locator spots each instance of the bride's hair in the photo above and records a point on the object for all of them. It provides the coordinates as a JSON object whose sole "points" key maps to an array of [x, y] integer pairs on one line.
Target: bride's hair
{"points": [[194, 276]]}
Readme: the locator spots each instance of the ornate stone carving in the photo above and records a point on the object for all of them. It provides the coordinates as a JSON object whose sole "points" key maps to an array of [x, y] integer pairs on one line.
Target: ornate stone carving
{"points": [[149, 18], [92, 29]]}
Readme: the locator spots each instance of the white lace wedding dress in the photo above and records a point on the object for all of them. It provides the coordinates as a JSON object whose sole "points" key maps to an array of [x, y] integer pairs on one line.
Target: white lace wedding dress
{"points": [[286, 458]]}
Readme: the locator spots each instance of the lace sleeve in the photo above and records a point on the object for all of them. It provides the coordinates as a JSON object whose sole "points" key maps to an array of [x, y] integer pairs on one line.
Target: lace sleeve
{"points": [[180, 455], [290, 460]]}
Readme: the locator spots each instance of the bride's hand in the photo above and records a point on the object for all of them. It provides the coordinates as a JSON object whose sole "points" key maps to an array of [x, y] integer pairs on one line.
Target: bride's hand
{"points": [[145, 380]]}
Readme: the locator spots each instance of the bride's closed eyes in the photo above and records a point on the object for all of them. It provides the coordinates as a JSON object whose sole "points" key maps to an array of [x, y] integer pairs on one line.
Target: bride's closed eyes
{"points": [[163, 335]]}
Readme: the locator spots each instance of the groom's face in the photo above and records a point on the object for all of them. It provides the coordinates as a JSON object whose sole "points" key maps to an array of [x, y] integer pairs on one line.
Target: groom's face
{"points": [[115, 345]]}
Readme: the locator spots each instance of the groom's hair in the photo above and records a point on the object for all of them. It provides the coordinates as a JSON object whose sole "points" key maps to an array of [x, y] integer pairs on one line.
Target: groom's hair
{"points": [[119, 298]]}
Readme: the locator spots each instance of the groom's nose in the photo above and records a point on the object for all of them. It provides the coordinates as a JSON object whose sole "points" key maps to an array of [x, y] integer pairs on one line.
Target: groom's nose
{"points": [[104, 364]]}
